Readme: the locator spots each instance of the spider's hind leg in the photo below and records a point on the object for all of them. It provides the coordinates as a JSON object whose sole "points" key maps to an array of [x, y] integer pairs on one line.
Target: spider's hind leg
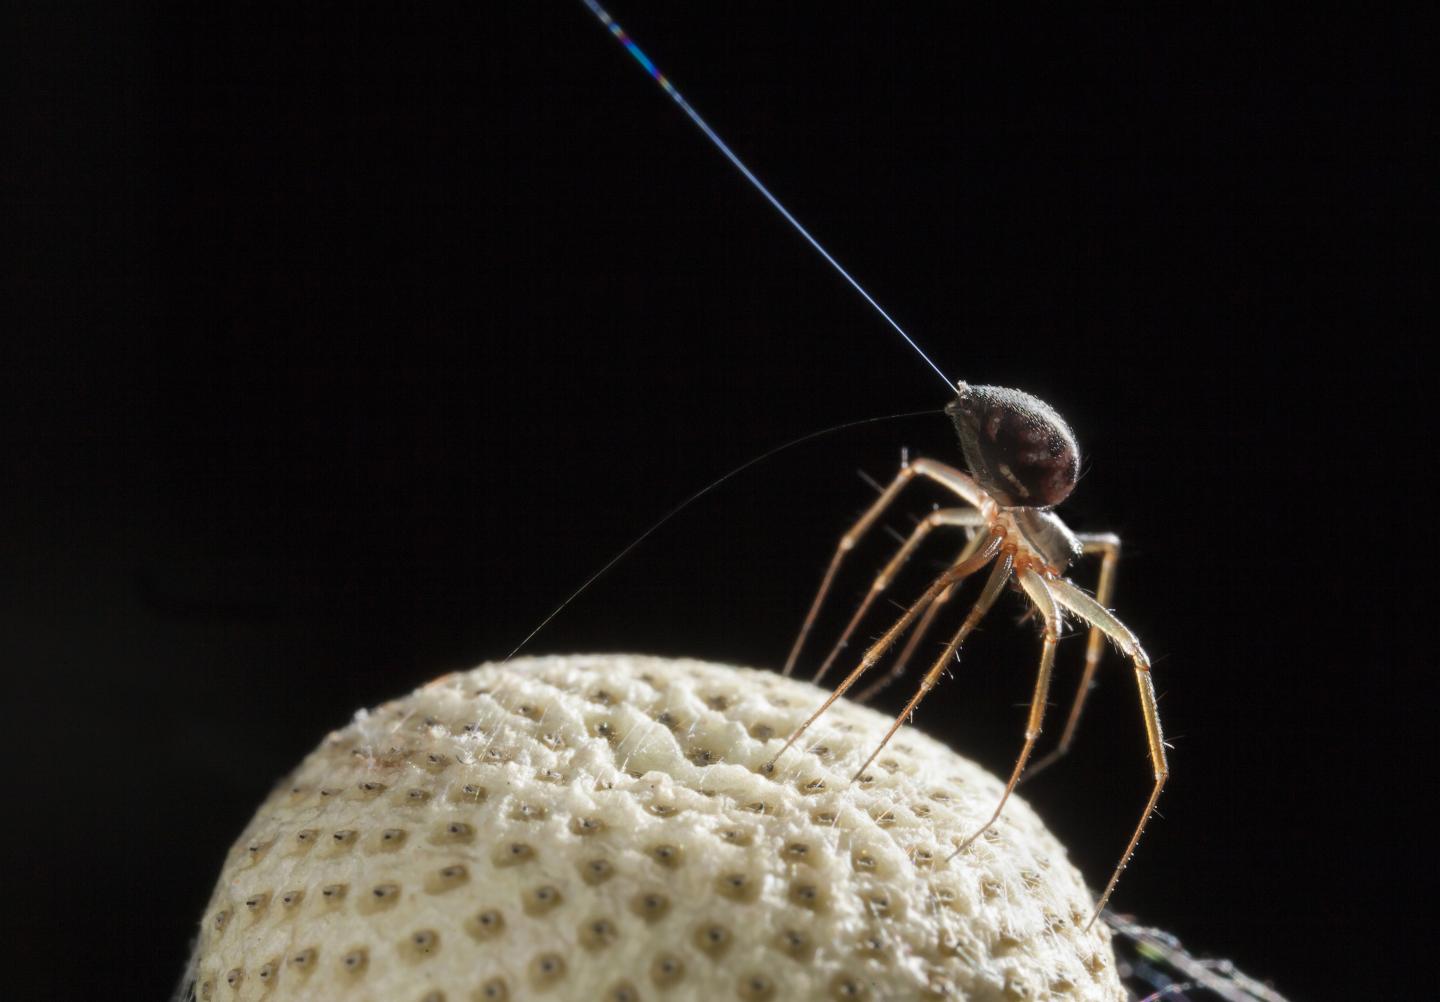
{"points": [[956, 573], [959, 484], [966, 517], [920, 631], [847, 543]]}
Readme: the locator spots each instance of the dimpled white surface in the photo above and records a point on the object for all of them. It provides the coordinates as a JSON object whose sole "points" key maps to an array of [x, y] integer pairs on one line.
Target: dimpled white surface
{"points": [[608, 828]]}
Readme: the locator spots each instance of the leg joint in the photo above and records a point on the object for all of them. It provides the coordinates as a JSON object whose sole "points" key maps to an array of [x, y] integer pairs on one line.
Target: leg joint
{"points": [[1097, 541]]}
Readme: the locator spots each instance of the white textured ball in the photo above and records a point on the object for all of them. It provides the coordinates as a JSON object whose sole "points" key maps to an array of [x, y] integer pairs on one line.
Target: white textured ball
{"points": [[609, 828]]}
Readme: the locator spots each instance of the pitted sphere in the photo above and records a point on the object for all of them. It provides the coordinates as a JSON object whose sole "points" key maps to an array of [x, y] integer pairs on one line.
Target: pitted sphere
{"points": [[610, 828]]}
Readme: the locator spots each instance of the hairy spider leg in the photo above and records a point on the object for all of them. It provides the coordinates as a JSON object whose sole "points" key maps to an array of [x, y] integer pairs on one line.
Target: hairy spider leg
{"points": [[967, 517], [1108, 546], [958, 572], [918, 634], [1091, 611], [1044, 603], [998, 576], [947, 476]]}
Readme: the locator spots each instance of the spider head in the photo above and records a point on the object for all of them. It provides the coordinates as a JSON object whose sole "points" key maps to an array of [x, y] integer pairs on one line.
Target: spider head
{"points": [[1019, 450]]}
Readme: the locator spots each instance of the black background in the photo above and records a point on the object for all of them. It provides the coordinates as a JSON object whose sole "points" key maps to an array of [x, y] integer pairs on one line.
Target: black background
{"points": [[345, 344]]}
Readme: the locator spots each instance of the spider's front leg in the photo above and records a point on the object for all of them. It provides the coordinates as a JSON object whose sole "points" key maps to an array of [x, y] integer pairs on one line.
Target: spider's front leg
{"points": [[1106, 544], [1039, 592], [1086, 608]]}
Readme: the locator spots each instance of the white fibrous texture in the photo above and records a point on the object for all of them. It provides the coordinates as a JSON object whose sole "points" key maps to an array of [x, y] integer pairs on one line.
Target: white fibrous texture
{"points": [[610, 828]]}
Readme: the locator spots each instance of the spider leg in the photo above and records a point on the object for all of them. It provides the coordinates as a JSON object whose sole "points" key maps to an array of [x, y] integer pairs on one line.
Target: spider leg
{"points": [[998, 576], [908, 651], [1108, 546], [1040, 594], [921, 629], [944, 516], [875, 651], [946, 476], [1086, 608]]}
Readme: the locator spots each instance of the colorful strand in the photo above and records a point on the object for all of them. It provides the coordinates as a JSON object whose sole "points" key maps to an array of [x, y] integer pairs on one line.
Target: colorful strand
{"points": [[669, 88]]}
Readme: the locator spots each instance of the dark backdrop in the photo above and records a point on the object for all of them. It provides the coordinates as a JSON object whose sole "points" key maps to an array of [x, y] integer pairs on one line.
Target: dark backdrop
{"points": [[344, 345]]}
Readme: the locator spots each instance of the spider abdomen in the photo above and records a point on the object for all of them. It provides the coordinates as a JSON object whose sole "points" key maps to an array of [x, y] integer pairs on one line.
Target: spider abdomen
{"points": [[1019, 449]]}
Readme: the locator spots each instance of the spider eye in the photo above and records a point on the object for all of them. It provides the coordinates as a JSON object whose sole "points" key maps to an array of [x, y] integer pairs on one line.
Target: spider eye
{"points": [[1017, 447]]}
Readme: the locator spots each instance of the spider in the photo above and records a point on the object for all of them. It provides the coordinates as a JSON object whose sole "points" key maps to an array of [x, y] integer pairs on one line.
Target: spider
{"points": [[1023, 461]]}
